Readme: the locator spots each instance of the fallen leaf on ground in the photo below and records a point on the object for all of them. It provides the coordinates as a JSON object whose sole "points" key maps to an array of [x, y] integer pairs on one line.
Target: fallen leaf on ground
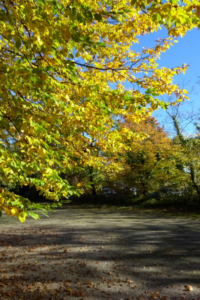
{"points": [[188, 288], [155, 295]]}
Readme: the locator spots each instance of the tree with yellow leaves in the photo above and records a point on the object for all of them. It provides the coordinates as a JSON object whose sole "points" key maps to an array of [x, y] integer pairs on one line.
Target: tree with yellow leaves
{"points": [[150, 163], [58, 62]]}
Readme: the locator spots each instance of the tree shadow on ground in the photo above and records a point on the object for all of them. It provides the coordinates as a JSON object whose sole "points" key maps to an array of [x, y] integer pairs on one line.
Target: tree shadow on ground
{"points": [[100, 255]]}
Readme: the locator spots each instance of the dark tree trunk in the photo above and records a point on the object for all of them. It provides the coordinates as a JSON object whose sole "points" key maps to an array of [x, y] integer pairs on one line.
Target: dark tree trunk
{"points": [[183, 142], [92, 180], [93, 189], [192, 175]]}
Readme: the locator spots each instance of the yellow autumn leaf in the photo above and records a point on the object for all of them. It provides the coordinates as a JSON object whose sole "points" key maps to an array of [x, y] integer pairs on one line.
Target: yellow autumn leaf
{"points": [[22, 216], [14, 211], [189, 288]]}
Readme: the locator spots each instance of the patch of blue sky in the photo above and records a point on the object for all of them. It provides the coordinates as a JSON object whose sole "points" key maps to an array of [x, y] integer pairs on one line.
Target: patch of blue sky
{"points": [[185, 51]]}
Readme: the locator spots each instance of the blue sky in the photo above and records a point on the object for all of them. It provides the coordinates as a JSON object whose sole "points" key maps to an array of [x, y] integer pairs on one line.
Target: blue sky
{"points": [[187, 50]]}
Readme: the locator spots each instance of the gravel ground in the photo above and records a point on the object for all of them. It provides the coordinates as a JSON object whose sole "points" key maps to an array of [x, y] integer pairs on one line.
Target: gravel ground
{"points": [[100, 254]]}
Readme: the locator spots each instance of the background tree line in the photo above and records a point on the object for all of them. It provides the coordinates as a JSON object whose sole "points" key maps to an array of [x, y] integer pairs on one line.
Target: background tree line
{"points": [[153, 165]]}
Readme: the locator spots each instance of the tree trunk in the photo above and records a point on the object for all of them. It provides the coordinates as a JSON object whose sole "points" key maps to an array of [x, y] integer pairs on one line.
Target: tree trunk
{"points": [[192, 175], [184, 144], [92, 180]]}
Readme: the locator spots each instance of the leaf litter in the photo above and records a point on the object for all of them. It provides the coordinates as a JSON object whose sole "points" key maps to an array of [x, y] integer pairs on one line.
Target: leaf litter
{"points": [[39, 261]]}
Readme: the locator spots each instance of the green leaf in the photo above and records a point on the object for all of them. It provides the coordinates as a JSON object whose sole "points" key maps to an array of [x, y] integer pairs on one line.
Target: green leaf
{"points": [[194, 19], [37, 71], [149, 91], [59, 5], [70, 192], [18, 43], [42, 2], [49, 69], [76, 37], [34, 215], [105, 13], [88, 16], [164, 105], [156, 17], [101, 44], [98, 17], [46, 145], [80, 19], [44, 213]]}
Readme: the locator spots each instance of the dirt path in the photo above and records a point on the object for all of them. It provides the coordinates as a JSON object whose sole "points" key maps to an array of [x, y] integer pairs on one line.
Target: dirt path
{"points": [[97, 254]]}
